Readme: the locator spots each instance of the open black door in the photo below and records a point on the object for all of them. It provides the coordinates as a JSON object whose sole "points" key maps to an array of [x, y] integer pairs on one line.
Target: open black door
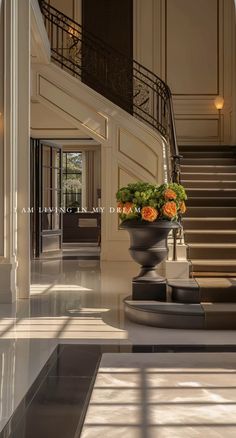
{"points": [[46, 224]]}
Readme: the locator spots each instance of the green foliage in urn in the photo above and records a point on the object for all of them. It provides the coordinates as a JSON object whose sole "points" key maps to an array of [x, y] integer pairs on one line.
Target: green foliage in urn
{"points": [[148, 202]]}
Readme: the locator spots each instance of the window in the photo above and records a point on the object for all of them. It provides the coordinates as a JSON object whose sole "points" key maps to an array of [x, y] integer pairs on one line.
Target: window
{"points": [[72, 179]]}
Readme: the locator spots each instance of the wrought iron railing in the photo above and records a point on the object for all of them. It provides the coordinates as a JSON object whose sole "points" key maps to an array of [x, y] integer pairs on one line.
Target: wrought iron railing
{"points": [[122, 80]]}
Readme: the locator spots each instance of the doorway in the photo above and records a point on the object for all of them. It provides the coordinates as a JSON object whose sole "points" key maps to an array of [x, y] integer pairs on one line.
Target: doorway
{"points": [[65, 196], [46, 198]]}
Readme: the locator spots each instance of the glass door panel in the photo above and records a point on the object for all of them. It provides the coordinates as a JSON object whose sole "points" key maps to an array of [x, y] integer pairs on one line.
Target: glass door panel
{"points": [[48, 197]]}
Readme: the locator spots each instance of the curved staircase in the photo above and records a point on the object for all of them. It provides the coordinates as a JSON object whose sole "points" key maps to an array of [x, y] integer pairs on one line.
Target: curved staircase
{"points": [[208, 299]]}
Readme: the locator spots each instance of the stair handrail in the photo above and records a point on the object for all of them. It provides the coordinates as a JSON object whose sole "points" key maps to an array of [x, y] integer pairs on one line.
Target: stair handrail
{"points": [[144, 95]]}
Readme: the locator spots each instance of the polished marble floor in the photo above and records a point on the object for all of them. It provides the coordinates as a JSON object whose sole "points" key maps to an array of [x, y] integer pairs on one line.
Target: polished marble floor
{"points": [[138, 392], [81, 301], [75, 301], [164, 395]]}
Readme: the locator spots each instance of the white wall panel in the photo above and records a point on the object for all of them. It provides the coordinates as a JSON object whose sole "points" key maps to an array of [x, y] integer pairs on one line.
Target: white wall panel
{"points": [[71, 8], [135, 150], [190, 44], [192, 55], [67, 7], [198, 129]]}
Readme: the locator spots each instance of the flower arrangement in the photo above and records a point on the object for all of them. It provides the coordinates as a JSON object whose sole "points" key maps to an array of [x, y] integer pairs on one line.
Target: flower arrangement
{"points": [[148, 202]]}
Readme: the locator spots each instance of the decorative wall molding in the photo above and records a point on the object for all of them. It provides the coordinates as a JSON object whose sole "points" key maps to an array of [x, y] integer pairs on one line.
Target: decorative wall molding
{"points": [[135, 150], [193, 46], [74, 108], [203, 32]]}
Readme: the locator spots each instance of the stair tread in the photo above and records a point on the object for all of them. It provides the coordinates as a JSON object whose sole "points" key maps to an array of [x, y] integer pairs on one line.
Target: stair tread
{"points": [[219, 283], [207, 181], [210, 173], [183, 283], [207, 166], [220, 231], [217, 208], [212, 245], [212, 189], [206, 282], [220, 307], [224, 262], [229, 219], [213, 274]]}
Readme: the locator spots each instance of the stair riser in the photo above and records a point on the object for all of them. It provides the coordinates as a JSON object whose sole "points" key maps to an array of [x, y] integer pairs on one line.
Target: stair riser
{"points": [[209, 238], [208, 185], [211, 212], [208, 225], [204, 295], [211, 253], [214, 202], [208, 161], [207, 169], [197, 268], [208, 154], [207, 178], [202, 193], [206, 148]]}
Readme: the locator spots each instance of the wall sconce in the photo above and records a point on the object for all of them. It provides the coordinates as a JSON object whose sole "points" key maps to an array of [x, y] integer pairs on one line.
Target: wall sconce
{"points": [[219, 104]]}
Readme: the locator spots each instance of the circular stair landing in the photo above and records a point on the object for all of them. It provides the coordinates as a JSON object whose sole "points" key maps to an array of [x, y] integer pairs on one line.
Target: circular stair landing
{"points": [[165, 315], [205, 304]]}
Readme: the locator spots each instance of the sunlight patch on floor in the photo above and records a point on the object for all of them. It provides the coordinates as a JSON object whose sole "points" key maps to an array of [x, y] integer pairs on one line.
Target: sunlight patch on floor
{"points": [[88, 326], [37, 289], [163, 395]]}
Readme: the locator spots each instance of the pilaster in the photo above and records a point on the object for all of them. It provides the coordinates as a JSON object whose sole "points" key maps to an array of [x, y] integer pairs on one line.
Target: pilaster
{"points": [[14, 261]]}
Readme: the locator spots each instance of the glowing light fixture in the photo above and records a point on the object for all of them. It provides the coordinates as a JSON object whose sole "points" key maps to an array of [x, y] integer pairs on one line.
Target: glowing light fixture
{"points": [[219, 102]]}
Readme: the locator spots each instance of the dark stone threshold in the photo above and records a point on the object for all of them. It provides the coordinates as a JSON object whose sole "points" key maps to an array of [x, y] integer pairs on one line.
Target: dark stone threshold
{"points": [[56, 403]]}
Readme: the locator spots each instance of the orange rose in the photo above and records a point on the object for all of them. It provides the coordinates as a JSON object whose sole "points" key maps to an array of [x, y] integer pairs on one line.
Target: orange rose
{"points": [[149, 214], [119, 207], [182, 207], [127, 208], [169, 209], [169, 194]]}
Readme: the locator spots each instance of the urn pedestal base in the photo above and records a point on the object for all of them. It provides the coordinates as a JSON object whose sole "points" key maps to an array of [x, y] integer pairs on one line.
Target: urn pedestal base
{"points": [[148, 285], [148, 291]]}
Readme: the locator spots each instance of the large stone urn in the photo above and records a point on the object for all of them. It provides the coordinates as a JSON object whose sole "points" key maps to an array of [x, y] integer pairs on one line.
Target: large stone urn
{"points": [[148, 247]]}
